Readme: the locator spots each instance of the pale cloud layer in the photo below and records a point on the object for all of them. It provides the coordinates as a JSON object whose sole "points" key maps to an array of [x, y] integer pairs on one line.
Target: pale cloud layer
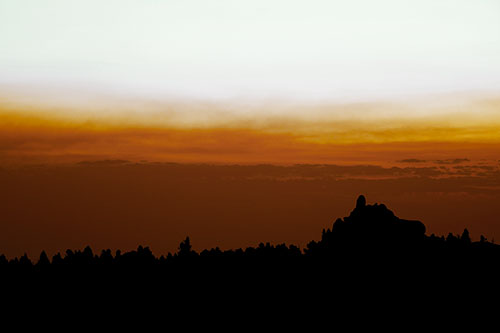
{"points": [[253, 49]]}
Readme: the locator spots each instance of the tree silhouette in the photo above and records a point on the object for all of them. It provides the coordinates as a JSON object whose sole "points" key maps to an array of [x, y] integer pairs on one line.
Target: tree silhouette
{"points": [[185, 248], [44, 260], [465, 238]]}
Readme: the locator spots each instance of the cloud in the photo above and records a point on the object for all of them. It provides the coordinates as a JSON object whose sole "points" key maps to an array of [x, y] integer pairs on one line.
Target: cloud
{"points": [[452, 161], [412, 160], [103, 162], [311, 172]]}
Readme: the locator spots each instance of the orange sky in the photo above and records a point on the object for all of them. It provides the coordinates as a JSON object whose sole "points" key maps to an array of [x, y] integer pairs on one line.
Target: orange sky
{"points": [[119, 205], [71, 177]]}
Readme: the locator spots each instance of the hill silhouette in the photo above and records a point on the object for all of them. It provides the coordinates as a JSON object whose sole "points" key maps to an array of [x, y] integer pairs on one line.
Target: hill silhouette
{"points": [[372, 225]]}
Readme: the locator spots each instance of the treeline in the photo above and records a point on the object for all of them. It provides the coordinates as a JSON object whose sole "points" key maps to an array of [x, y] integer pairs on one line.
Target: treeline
{"points": [[370, 238], [431, 248], [143, 257]]}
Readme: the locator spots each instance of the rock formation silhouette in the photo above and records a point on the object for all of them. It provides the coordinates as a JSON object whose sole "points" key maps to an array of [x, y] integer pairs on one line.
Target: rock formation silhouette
{"points": [[371, 233], [376, 223]]}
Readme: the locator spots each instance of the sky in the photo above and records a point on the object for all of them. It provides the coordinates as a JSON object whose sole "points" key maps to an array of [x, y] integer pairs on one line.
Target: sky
{"points": [[265, 49], [269, 117], [248, 82]]}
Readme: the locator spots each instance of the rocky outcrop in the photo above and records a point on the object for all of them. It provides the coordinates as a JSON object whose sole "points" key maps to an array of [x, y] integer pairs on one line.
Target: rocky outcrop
{"points": [[374, 224]]}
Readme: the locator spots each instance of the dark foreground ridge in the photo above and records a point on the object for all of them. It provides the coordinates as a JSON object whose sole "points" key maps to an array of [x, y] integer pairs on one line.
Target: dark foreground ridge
{"points": [[369, 252]]}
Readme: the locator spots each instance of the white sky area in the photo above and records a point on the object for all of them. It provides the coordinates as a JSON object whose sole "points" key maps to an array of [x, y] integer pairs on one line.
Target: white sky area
{"points": [[256, 49]]}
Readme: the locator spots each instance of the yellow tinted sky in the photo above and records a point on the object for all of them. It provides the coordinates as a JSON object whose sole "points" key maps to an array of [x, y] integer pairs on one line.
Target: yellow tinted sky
{"points": [[34, 132], [202, 81]]}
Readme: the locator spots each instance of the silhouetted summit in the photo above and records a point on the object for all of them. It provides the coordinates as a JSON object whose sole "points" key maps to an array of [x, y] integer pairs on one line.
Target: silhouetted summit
{"points": [[373, 226], [378, 221], [361, 202]]}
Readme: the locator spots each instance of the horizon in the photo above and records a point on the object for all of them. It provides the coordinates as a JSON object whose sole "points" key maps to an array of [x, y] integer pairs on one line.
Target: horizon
{"points": [[122, 121]]}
